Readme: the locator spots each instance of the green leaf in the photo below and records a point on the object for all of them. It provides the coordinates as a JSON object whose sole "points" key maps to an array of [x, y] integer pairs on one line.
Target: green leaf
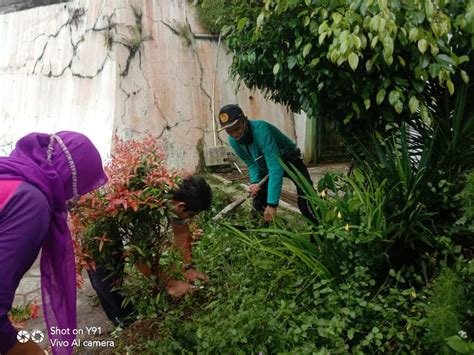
{"points": [[388, 59], [413, 34], [298, 41], [434, 69], [398, 107], [260, 19], [322, 37], [353, 61], [292, 60], [348, 117], [446, 58], [344, 46], [425, 116], [419, 85], [356, 108], [276, 68], [393, 97], [434, 50], [307, 19], [323, 27], [429, 8], [388, 46], [401, 60], [367, 104], [450, 86], [462, 59], [378, 136], [457, 344], [413, 104], [380, 96], [241, 24], [336, 17], [306, 49], [422, 45], [356, 41], [374, 41], [314, 62], [464, 77]]}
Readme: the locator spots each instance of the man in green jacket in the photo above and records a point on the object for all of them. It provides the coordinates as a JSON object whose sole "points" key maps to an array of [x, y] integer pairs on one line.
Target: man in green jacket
{"points": [[261, 145]]}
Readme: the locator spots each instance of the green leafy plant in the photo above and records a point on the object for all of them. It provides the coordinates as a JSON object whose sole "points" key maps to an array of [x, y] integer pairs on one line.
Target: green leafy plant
{"points": [[261, 302], [126, 221], [444, 313], [18, 315], [379, 54], [460, 345], [350, 225]]}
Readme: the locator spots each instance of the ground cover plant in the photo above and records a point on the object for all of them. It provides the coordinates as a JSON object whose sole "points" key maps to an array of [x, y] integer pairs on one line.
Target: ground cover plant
{"points": [[255, 303], [265, 298], [287, 287]]}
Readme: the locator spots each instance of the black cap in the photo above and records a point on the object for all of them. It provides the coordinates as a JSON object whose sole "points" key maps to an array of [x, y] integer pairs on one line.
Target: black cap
{"points": [[229, 115]]}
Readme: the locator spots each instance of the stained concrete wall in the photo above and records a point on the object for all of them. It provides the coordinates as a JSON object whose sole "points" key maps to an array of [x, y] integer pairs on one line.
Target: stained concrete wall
{"points": [[127, 67]]}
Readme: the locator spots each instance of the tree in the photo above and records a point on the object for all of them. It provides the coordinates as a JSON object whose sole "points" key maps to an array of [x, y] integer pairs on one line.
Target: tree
{"points": [[360, 62]]}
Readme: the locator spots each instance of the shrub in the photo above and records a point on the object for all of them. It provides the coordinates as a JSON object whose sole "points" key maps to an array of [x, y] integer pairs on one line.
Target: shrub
{"points": [[126, 221]]}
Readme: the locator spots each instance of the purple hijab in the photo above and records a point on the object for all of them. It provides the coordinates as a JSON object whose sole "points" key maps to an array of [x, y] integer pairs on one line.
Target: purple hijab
{"points": [[63, 166]]}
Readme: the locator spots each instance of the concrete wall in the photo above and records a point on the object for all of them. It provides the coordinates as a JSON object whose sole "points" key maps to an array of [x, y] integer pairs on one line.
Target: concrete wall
{"points": [[101, 67]]}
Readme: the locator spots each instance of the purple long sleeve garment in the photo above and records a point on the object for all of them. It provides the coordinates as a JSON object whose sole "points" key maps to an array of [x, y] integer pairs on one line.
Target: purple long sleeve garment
{"points": [[61, 166], [24, 223]]}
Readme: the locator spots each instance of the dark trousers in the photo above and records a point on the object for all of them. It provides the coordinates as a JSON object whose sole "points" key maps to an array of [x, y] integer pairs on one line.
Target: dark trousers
{"points": [[103, 283], [260, 200], [111, 301]]}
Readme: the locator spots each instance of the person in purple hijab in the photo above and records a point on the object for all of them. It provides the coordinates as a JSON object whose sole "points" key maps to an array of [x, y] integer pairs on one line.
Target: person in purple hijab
{"points": [[42, 174]]}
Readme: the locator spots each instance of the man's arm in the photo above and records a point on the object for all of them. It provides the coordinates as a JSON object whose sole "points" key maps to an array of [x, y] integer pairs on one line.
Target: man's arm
{"points": [[183, 240]]}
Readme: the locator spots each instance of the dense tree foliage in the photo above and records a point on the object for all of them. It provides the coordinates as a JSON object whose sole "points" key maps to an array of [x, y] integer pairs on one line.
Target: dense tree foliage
{"points": [[352, 60]]}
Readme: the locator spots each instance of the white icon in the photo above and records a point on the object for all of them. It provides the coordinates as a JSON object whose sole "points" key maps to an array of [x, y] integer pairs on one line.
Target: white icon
{"points": [[23, 336], [37, 336]]}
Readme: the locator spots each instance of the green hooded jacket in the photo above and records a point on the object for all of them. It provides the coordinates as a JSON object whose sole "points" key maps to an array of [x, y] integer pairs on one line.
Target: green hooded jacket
{"points": [[262, 156]]}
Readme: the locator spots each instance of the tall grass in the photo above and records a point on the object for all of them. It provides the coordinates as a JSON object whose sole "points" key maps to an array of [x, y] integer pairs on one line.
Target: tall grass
{"points": [[349, 230]]}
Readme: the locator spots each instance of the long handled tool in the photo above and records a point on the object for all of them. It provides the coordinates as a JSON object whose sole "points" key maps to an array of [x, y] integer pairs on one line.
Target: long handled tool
{"points": [[236, 203]]}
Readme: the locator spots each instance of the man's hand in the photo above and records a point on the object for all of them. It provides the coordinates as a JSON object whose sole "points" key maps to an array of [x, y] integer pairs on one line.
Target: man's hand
{"points": [[253, 189], [193, 275], [269, 213], [178, 288]]}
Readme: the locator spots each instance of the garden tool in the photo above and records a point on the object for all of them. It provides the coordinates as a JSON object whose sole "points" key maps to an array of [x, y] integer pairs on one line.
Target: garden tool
{"points": [[236, 203]]}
